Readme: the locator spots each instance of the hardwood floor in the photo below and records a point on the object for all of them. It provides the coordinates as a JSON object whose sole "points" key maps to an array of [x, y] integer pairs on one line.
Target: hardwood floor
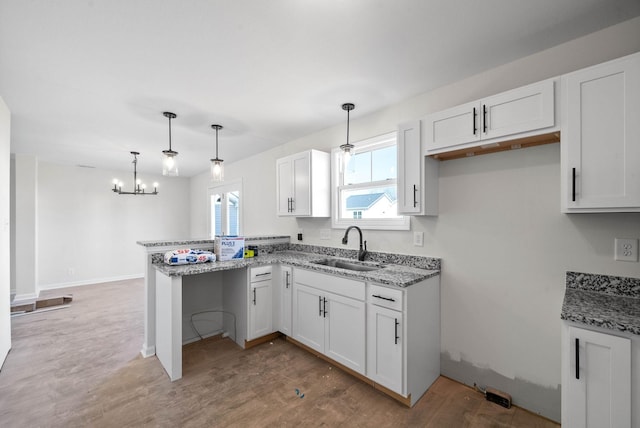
{"points": [[81, 367]]}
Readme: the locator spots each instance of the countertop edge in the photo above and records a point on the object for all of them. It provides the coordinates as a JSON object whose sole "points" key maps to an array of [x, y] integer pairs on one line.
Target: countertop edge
{"points": [[393, 275]]}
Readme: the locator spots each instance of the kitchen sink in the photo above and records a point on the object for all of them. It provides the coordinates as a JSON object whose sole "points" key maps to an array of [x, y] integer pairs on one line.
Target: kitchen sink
{"points": [[348, 264]]}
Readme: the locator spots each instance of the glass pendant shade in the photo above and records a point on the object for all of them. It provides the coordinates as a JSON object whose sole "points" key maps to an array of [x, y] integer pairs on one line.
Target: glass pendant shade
{"points": [[347, 152], [217, 167], [169, 161], [217, 170]]}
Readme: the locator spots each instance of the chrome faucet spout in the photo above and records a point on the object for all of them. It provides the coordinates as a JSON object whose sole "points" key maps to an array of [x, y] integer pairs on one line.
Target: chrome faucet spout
{"points": [[362, 251]]}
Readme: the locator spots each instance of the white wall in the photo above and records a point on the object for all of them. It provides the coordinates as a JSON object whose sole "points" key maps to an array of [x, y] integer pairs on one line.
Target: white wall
{"points": [[5, 276], [88, 234], [504, 244], [24, 217]]}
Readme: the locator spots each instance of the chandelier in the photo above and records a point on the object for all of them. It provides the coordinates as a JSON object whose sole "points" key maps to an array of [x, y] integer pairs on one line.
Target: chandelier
{"points": [[139, 188]]}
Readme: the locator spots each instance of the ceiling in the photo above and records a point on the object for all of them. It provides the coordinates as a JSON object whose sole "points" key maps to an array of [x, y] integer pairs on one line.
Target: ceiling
{"points": [[87, 80]]}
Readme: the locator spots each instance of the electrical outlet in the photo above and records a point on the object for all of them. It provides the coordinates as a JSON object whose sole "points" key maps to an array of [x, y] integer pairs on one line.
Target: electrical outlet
{"points": [[71, 271], [418, 239], [626, 250]]}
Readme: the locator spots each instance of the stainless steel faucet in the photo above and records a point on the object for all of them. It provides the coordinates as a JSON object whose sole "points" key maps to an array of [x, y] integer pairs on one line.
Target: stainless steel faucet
{"points": [[362, 251]]}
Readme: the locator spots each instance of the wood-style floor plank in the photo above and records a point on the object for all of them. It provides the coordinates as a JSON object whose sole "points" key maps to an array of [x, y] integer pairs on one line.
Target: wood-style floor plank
{"points": [[81, 366]]}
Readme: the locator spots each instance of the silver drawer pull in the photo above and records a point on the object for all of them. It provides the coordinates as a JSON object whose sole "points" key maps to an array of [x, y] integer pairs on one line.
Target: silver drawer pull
{"points": [[384, 298]]}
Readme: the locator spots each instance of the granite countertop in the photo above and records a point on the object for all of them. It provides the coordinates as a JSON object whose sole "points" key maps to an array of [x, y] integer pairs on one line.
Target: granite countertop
{"points": [[610, 302], [397, 275]]}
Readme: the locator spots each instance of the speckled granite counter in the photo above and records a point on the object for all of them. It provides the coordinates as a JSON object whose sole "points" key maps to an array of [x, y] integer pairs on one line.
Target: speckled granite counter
{"points": [[610, 302], [398, 275]]}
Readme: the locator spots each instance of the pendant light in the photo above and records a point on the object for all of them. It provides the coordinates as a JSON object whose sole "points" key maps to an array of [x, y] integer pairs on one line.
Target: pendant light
{"points": [[138, 187], [347, 148], [169, 163], [217, 169]]}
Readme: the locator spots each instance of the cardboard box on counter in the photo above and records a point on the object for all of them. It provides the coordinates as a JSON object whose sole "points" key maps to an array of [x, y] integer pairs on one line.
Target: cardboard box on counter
{"points": [[228, 247]]}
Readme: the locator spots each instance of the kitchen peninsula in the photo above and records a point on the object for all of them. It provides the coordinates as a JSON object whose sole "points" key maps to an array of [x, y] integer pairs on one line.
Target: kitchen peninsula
{"points": [[175, 293]]}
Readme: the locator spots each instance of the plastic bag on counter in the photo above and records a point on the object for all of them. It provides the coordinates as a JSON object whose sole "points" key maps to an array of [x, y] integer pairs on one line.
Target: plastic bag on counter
{"points": [[187, 256]]}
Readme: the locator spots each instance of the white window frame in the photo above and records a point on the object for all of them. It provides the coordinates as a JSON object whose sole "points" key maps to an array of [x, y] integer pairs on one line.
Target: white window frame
{"points": [[381, 141], [224, 188]]}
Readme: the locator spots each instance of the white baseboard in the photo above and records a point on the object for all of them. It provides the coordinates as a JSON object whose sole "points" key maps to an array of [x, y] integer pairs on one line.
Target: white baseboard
{"points": [[148, 351], [24, 297], [90, 281]]}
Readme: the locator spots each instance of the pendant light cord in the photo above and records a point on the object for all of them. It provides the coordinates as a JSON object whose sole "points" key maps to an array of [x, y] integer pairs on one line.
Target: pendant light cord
{"points": [[170, 133], [216, 142], [348, 110]]}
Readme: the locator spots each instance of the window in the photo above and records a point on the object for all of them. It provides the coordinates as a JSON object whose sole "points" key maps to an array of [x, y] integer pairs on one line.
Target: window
{"points": [[366, 193], [225, 209]]}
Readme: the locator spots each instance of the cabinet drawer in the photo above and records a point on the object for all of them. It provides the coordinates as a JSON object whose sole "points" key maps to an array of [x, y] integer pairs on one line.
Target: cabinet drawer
{"points": [[333, 284], [391, 298], [260, 273]]}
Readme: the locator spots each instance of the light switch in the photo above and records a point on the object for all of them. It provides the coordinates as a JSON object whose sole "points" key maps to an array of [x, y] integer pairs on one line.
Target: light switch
{"points": [[418, 239]]}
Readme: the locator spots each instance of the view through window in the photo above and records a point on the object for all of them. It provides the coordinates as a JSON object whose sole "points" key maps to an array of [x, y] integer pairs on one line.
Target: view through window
{"points": [[366, 189]]}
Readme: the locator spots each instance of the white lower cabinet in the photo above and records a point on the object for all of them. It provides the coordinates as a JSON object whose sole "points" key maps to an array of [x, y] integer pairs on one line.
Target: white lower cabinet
{"points": [[596, 379], [329, 316], [260, 302], [389, 334], [384, 347], [403, 337]]}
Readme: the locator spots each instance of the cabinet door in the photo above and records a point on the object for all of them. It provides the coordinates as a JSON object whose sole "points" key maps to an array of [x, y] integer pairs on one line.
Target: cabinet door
{"points": [[345, 331], [384, 347], [302, 184], [417, 174], [308, 322], [599, 381], [601, 134], [410, 189], [520, 110], [260, 309], [284, 188], [452, 127], [285, 298]]}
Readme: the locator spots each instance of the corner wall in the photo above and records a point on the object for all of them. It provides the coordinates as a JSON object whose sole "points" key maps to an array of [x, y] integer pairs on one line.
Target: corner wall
{"points": [[504, 244]]}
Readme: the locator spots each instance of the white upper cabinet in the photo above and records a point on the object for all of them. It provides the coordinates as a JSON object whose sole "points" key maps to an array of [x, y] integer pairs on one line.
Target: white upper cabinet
{"points": [[417, 174], [601, 138], [518, 112], [303, 182]]}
